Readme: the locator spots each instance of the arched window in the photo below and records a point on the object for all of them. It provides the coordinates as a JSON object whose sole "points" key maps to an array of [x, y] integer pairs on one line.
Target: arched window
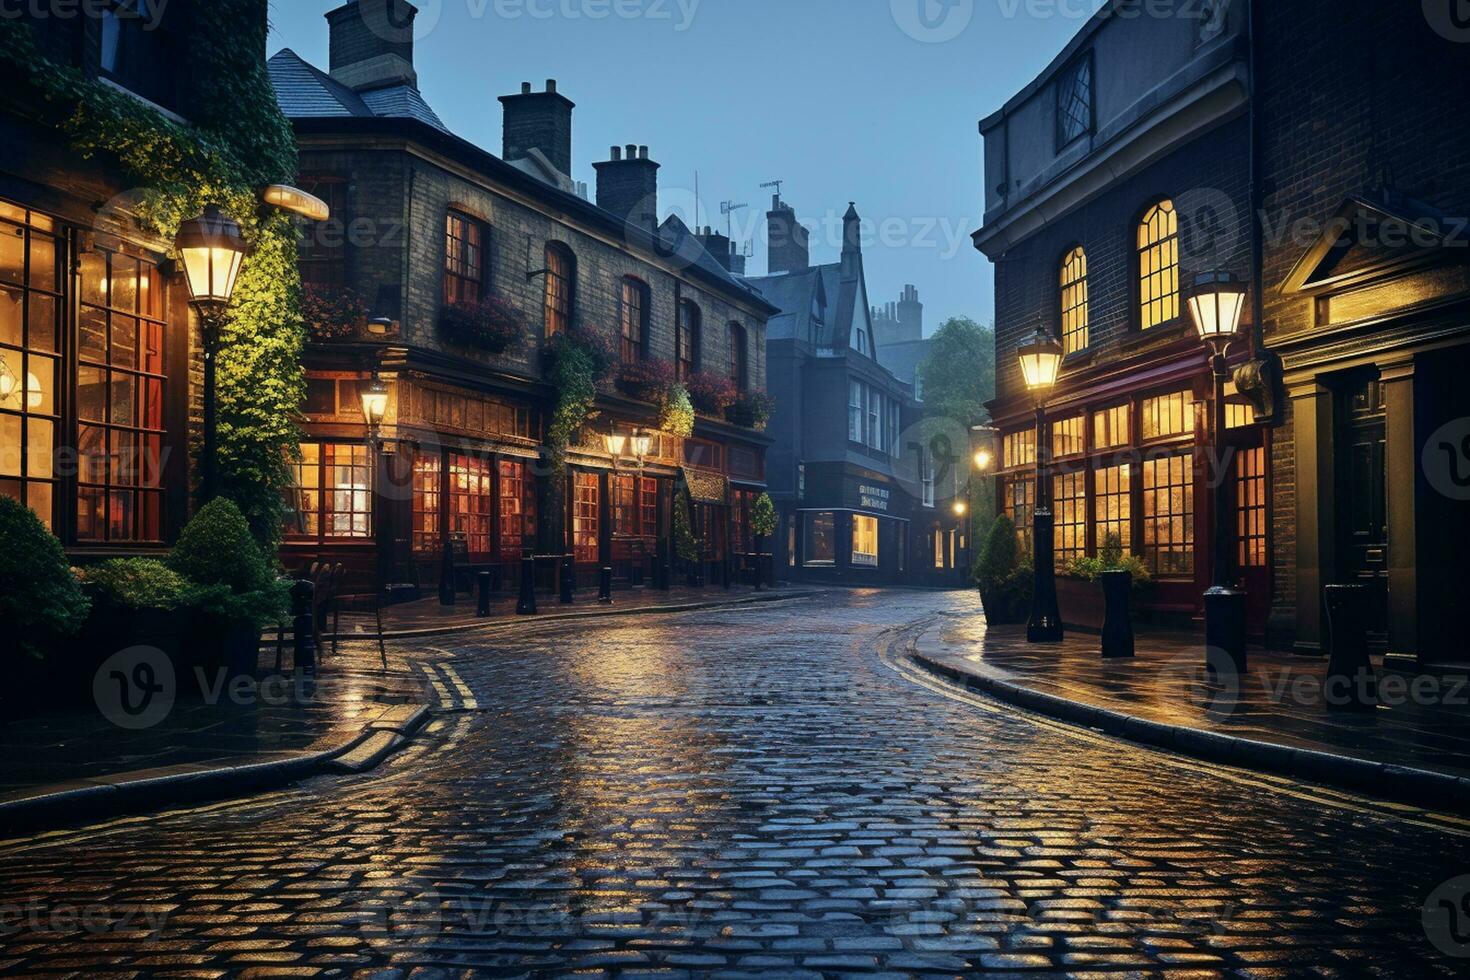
{"points": [[739, 358], [1158, 265], [633, 317], [687, 360], [561, 283], [1074, 301]]}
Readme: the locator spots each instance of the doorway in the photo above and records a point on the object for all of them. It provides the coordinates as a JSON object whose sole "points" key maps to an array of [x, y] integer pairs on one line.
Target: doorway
{"points": [[1362, 497]]}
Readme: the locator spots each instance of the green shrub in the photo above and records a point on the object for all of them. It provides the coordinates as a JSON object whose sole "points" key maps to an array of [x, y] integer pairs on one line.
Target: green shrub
{"points": [[1110, 559], [763, 516], [999, 558], [138, 583], [216, 548], [686, 545], [40, 600]]}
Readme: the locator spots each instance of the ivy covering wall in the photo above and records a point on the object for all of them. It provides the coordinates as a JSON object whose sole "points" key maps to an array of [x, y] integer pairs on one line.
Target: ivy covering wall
{"points": [[237, 142]]}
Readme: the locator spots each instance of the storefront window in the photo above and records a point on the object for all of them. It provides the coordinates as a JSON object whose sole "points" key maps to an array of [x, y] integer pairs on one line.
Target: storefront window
{"points": [[1069, 505], [1113, 505], [517, 508], [1167, 415], [585, 504], [426, 503], [1018, 500], [1168, 516], [625, 506], [333, 492], [865, 540], [821, 538], [469, 503], [1250, 492], [1110, 427]]}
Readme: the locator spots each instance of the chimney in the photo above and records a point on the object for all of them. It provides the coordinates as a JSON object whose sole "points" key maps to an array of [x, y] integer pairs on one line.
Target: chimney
{"points": [[786, 239], [628, 187], [372, 44], [725, 252], [910, 315], [852, 241], [539, 121]]}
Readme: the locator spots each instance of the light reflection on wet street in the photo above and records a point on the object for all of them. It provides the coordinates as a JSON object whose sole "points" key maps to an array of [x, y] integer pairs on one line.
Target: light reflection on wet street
{"points": [[748, 790]]}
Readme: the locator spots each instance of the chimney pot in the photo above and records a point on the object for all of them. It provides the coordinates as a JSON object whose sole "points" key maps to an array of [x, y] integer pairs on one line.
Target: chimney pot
{"points": [[538, 121], [525, 88], [643, 153], [551, 86], [617, 153], [632, 151]]}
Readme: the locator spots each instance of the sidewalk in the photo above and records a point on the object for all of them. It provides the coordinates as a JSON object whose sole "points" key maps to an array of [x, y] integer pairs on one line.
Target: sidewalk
{"points": [[1414, 747]]}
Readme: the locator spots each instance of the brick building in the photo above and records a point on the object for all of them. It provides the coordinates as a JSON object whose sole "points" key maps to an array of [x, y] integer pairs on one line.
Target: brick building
{"points": [[427, 225], [1364, 156], [858, 501], [1111, 181]]}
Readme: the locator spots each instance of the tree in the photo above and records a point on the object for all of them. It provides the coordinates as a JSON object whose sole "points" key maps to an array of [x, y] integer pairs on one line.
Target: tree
{"points": [[958, 374]]}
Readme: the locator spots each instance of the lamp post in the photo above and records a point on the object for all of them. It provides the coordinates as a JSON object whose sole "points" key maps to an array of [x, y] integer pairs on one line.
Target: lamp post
{"points": [[212, 249], [1215, 305], [1041, 361], [374, 398]]}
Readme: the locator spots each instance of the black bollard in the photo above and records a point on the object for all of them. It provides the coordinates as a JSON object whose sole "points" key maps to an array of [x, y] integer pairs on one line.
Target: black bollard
{"points": [[303, 624], [568, 579], [1351, 684], [527, 604], [604, 585], [446, 575], [483, 608], [1117, 634]]}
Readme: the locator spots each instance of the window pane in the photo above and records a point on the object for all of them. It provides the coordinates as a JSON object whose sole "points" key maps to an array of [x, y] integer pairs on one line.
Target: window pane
{"points": [[1074, 301], [821, 539], [865, 540], [1113, 506], [1069, 510], [1158, 265], [1168, 516]]}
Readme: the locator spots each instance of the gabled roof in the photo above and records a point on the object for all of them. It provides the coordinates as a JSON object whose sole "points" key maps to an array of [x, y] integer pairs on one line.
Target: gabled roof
{"points": [[802, 299], [676, 240], [1341, 256], [304, 91]]}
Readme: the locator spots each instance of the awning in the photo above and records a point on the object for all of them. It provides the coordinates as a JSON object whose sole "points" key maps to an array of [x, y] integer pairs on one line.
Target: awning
{"points": [[706, 488]]}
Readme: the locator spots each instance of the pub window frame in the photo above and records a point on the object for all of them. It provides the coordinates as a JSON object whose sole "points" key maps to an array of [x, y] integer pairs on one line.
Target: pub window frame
{"points": [[686, 343], [1073, 300], [465, 238], [633, 313], [327, 529], [559, 294], [739, 342], [1156, 266]]}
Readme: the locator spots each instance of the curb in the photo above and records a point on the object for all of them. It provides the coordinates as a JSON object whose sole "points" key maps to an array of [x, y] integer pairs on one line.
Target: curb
{"points": [[613, 610], [125, 793], [1401, 784]]}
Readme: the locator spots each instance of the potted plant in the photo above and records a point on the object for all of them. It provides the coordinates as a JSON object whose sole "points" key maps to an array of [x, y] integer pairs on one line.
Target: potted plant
{"points": [[751, 410], [711, 394], [489, 323], [686, 545], [233, 594], [41, 604], [1004, 576], [1079, 583], [762, 526], [647, 381]]}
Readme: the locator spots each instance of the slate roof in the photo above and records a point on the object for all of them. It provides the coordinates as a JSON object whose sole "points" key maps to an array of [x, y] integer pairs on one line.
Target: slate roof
{"points": [[903, 359], [304, 91], [796, 294]]}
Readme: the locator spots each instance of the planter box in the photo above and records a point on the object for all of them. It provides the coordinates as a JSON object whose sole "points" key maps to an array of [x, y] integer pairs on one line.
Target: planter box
{"points": [[1082, 603]]}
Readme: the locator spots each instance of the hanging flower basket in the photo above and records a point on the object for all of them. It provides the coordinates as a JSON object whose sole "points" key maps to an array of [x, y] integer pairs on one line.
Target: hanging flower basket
{"points": [[490, 324], [646, 381], [675, 414], [597, 347], [751, 410], [711, 394]]}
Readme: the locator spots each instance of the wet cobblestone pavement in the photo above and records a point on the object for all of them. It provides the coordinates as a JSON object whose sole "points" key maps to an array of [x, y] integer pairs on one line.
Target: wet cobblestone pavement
{"points": [[746, 791]]}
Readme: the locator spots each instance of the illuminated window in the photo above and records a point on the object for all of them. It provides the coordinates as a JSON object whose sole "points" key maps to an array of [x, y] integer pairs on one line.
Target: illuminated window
{"points": [[865, 540], [561, 278], [1167, 415], [1110, 427], [427, 502], [1074, 301], [30, 311], [1069, 510], [517, 508], [1250, 502], [648, 507], [1113, 505], [821, 539], [688, 340], [739, 358], [1239, 416], [333, 492], [119, 399], [1158, 265], [586, 501], [462, 259], [633, 319], [1018, 501], [1066, 436], [1018, 449], [470, 503], [625, 505], [938, 537], [1168, 516]]}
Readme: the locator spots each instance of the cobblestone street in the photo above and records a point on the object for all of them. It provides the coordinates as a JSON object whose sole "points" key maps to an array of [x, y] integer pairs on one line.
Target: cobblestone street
{"points": [[765, 790]]}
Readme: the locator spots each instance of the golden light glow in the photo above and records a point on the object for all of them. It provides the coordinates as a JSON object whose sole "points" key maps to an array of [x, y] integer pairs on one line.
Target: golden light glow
{"points": [[983, 459], [1216, 306], [374, 402], [297, 201], [642, 444], [212, 250], [616, 443], [1041, 361], [961, 508]]}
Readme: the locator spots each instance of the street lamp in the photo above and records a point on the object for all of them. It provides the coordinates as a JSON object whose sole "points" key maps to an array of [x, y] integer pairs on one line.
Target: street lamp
{"points": [[1216, 304], [212, 250], [374, 404], [374, 397], [1041, 361]]}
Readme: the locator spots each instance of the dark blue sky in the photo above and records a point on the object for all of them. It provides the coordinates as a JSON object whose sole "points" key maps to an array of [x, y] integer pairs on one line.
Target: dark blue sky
{"points": [[844, 100]]}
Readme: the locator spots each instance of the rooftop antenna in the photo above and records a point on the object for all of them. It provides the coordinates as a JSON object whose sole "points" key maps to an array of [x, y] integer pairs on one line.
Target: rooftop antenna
{"points": [[776, 184], [728, 209]]}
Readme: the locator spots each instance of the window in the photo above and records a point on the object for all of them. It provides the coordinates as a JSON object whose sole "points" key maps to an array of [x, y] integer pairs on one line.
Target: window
{"points": [[470, 502], [586, 501], [30, 311], [1069, 507], [137, 53], [855, 396], [706, 455], [821, 539], [633, 317], [625, 505], [926, 477], [1168, 516], [333, 491], [517, 508], [687, 359], [860, 340], [739, 358], [1018, 501], [322, 253], [1074, 101], [895, 419], [648, 507], [1111, 427], [119, 399], [1074, 301], [865, 540], [938, 537], [1158, 265], [561, 280], [1113, 505], [427, 503], [1250, 503], [1018, 449], [462, 260], [1066, 436], [875, 420], [1167, 415]]}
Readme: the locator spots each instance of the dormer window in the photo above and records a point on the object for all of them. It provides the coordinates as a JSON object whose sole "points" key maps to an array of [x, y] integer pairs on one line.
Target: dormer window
{"points": [[1074, 101]]}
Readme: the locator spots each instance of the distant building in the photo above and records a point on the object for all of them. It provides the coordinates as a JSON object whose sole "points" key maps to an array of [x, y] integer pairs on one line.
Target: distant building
{"points": [[856, 504], [899, 331]]}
